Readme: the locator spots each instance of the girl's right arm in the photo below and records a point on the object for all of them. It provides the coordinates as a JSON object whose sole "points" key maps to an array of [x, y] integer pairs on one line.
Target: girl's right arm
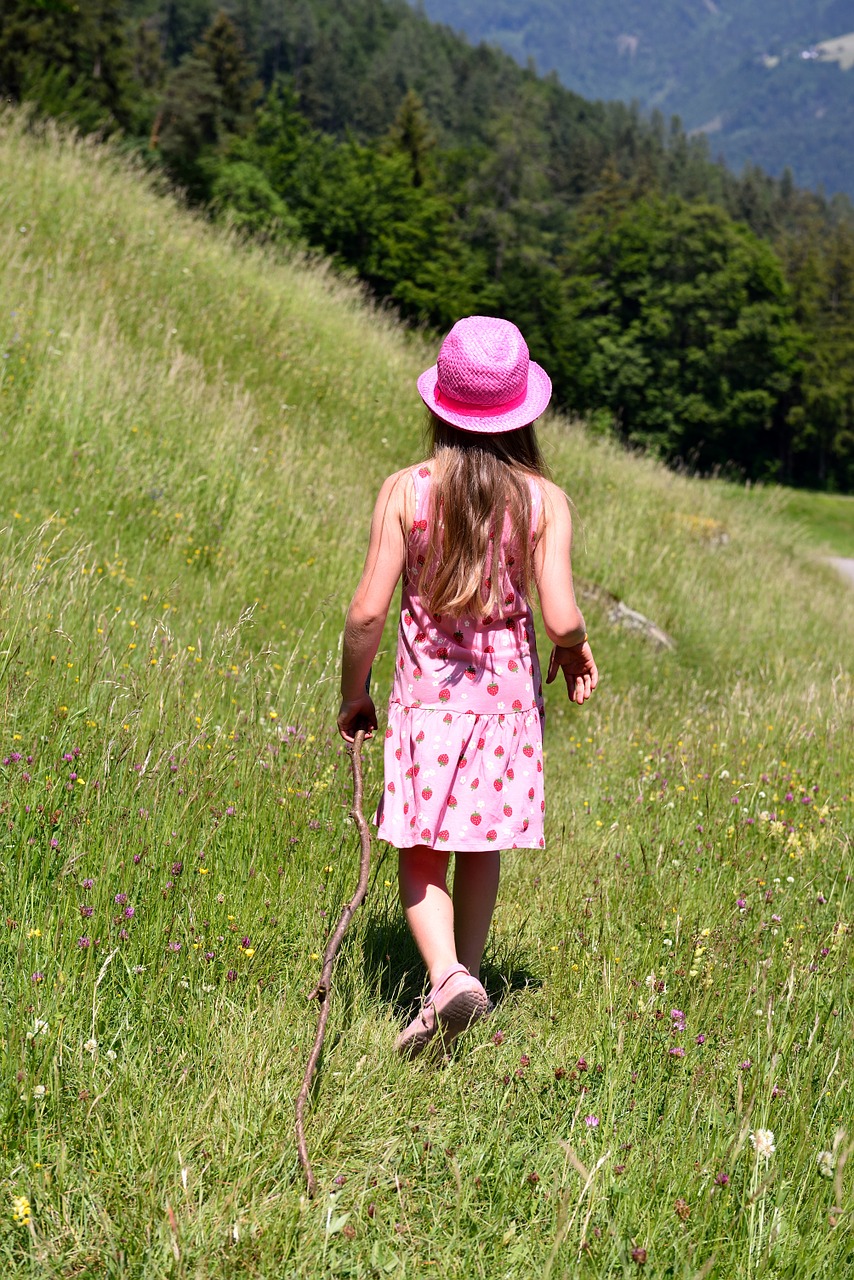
{"points": [[562, 617], [369, 607]]}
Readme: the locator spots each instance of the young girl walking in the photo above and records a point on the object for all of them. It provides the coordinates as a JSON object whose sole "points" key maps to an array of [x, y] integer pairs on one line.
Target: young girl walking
{"points": [[471, 530]]}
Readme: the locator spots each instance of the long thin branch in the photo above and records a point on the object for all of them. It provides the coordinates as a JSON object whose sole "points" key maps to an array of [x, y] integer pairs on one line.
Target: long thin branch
{"points": [[323, 991]]}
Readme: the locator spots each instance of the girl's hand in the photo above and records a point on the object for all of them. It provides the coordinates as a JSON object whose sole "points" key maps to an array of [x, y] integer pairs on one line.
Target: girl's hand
{"points": [[356, 714], [579, 670]]}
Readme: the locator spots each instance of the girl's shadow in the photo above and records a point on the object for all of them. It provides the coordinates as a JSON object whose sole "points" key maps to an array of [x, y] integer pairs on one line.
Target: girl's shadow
{"points": [[394, 968]]}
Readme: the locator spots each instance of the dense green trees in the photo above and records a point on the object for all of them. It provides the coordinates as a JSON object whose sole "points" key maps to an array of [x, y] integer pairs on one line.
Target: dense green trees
{"points": [[684, 331], [705, 315]]}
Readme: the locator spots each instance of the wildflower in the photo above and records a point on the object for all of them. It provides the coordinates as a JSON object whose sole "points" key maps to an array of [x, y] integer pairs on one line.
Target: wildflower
{"points": [[721, 1179], [174, 946], [21, 1209], [639, 1256], [86, 912], [826, 1163], [498, 1038], [37, 977], [112, 1055], [592, 1122], [677, 1051], [682, 1210], [120, 899], [700, 1039], [231, 976], [762, 1141], [91, 1046], [34, 933], [87, 884], [741, 903], [745, 1066], [177, 868], [581, 1064], [40, 1028], [39, 1091], [130, 912], [83, 943]]}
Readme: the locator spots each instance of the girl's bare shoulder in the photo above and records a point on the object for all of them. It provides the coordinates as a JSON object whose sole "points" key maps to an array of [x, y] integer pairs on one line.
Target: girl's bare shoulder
{"points": [[555, 501]]}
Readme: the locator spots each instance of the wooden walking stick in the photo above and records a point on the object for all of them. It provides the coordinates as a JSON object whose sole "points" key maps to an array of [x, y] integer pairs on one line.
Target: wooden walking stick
{"points": [[323, 991]]}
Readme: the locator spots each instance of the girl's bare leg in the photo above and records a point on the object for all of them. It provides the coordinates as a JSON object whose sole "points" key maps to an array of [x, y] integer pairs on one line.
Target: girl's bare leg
{"points": [[427, 905], [476, 878]]}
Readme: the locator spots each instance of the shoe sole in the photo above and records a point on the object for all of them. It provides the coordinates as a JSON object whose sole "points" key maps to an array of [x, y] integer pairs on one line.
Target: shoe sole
{"points": [[459, 1013], [456, 1016]]}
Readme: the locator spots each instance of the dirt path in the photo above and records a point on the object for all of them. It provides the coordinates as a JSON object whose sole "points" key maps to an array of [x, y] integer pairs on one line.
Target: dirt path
{"points": [[845, 567]]}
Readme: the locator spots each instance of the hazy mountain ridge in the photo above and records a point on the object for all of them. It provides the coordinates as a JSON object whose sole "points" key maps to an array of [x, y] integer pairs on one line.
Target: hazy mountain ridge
{"points": [[735, 71]]}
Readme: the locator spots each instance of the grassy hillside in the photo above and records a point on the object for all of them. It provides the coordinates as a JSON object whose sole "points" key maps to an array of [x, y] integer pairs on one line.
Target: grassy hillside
{"points": [[193, 433]]}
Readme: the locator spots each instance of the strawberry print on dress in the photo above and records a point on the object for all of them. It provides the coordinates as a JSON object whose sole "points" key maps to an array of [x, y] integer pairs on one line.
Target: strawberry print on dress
{"points": [[464, 743]]}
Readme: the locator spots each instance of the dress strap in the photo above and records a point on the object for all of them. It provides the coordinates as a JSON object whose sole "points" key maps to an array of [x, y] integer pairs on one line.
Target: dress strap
{"points": [[536, 504], [421, 479]]}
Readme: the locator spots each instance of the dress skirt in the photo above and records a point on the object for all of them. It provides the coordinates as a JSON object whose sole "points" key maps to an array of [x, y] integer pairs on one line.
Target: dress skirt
{"points": [[462, 781]]}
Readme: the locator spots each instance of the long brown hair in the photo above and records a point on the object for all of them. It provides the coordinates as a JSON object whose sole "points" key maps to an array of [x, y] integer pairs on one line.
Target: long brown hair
{"points": [[478, 478]]}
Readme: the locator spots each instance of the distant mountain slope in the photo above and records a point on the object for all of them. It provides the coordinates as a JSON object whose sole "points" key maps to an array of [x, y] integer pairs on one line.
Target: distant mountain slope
{"points": [[735, 69]]}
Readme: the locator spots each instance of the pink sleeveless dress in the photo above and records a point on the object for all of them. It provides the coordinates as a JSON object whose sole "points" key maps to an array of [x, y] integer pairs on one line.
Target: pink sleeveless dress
{"points": [[464, 745]]}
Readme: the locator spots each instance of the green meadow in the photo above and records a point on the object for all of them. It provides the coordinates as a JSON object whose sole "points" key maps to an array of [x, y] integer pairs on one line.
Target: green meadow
{"points": [[193, 433]]}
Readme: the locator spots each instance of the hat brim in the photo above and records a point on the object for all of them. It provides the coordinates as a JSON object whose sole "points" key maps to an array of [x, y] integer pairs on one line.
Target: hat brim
{"points": [[520, 413]]}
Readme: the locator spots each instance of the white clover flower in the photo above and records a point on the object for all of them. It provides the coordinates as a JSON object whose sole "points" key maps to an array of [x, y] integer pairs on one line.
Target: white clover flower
{"points": [[40, 1028], [826, 1161], [724, 773], [112, 1055], [91, 1046], [39, 1091], [762, 1141]]}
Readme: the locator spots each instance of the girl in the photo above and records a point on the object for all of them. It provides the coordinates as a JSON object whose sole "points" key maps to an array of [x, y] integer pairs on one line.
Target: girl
{"points": [[470, 531]]}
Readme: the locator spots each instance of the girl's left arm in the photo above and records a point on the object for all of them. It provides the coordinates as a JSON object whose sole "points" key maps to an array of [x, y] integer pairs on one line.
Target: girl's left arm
{"points": [[369, 607]]}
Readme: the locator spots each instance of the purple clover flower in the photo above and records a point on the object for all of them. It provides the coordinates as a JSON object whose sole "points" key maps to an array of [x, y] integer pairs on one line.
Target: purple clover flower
{"points": [[83, 943], [592, 1122]]}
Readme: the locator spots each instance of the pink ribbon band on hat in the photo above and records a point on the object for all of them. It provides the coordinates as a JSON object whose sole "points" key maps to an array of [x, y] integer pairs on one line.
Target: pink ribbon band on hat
{"points": [[480, 411]]}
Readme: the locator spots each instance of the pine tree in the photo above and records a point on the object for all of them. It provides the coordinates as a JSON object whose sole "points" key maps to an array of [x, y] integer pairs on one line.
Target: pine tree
{"points": [[222, 48]]}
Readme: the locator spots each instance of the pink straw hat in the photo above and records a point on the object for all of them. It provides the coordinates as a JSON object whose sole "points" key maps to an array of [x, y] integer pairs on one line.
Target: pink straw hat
{"points": [[484, 379]]}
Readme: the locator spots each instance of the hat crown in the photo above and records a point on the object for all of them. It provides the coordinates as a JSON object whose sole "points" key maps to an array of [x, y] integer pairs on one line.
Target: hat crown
{"points": [[483, 362]]}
